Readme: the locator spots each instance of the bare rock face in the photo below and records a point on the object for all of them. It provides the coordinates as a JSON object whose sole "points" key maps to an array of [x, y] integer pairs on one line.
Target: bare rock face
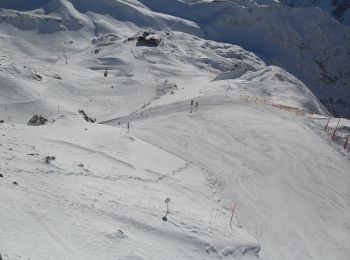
{"points": [[148, 39], [86, 117], [48, 159], [37, 120]]}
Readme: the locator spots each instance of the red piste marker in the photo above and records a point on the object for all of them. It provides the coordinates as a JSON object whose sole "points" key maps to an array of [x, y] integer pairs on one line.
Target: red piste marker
{"points": [[335, 130], [325, 129]]}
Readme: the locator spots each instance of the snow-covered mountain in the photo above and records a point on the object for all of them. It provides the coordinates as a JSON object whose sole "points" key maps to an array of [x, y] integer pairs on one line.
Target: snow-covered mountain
{"points": [[306, 42], [339, 9], [245, 180]]}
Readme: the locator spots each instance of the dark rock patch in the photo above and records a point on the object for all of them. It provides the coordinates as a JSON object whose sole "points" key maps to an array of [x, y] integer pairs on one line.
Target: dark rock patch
{"points": [[148, 39], [37, 120], [37, 77], [86, 117], [48, 159]]}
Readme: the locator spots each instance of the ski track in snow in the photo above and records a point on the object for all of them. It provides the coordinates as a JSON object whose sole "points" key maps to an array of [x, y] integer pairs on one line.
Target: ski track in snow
{"points": [[89, 150]]}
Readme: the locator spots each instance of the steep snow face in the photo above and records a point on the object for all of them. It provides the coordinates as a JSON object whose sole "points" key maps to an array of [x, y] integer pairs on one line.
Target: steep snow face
{"points": [[340, 9], [73, 15], [24, 5]]}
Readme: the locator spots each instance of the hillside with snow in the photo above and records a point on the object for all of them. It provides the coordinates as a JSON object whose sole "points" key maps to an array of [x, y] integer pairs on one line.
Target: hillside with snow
{"points": [[339, 9], [249, 169], [313, 49], [307, 42]]}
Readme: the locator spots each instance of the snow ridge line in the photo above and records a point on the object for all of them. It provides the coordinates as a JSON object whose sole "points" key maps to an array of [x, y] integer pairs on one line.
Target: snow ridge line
{"points": [[181, 106]]}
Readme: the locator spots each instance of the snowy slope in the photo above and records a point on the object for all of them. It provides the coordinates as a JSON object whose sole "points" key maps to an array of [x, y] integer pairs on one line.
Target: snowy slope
{"points": [[103, 198], [103, 195], [307, 42], [234, 143]]}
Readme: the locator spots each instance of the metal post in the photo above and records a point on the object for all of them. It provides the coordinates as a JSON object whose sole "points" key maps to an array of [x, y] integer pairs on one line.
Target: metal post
{"points": [[167, 200], [335, 130], [325, 129]]}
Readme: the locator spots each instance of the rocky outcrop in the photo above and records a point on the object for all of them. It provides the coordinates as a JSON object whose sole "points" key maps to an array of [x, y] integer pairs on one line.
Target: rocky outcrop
{"points": [[86, 117], [37, 120]]}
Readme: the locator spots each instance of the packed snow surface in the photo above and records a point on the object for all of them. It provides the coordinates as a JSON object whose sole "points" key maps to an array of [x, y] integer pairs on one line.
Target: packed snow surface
{"points": [[245, 180]]}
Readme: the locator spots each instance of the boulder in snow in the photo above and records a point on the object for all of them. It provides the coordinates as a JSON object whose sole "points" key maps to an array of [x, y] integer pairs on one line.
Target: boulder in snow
{"points": [[148, 39], [37, 77], [37, 120], [48, 159]]}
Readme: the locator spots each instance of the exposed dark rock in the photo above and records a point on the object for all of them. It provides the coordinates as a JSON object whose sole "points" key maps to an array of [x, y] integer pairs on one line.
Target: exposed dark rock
{"points": [[37, 77], [2, 121], [148, 39], [33, 154], [86, 117], [37, 120], [48, 159]]}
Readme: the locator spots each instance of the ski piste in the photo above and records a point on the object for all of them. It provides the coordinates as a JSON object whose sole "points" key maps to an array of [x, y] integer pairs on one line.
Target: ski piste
{"points": [[235, 111]]}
